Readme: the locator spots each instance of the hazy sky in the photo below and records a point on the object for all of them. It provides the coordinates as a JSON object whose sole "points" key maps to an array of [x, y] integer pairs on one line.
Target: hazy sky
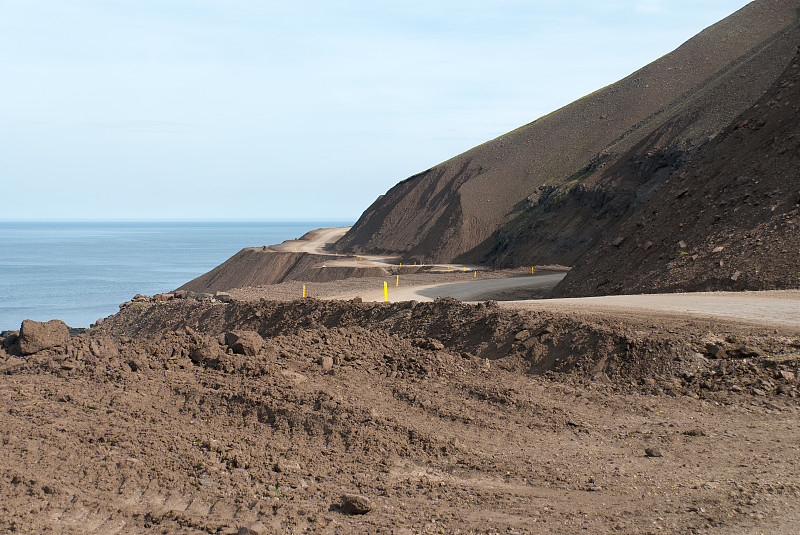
{"points": [[304, 109]]}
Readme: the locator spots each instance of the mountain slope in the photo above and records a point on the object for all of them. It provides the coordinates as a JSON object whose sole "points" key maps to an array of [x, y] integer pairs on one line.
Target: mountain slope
{"points": [[729, 219], [457, 209]]}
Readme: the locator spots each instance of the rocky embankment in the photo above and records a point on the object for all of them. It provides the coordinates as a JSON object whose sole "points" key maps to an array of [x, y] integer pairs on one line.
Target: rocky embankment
{"points": [[727, 219]]}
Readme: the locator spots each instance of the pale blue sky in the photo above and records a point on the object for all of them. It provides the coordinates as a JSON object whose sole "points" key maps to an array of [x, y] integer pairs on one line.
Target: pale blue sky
{"points": [[304, 109]]}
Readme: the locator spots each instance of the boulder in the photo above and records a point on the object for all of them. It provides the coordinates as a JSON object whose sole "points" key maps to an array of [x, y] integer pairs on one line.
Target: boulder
{"points": [[244, 342], [356, 504], [715, 351], [35, 336]]}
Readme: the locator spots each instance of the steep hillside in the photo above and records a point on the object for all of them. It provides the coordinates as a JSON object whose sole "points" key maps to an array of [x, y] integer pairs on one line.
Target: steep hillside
{"points": [[728, 219], [480, 202]]}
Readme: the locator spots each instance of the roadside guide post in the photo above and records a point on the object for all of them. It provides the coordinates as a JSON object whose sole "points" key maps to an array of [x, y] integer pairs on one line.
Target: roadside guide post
{"points": [[304, 291], [385, 292]]}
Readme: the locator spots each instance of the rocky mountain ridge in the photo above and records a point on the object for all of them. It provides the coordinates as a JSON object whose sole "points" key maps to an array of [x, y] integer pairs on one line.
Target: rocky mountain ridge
{"points": [[530, 196]]}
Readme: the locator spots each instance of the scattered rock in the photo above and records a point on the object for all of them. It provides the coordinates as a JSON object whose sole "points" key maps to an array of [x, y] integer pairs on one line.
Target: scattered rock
{"points": [[522, 336], [547, 329], [225, 297], [618, 241], [696, 432], [787, 375], [682, 244], [180, 294], [718, 249], [736, 276], [206, 355], [653, 452], [431, 344], [356, 300], [36, 336], [244, 342], [715, 351], [285, 466], [750, 352], [647, 245], [356, 504], [326, 363]]}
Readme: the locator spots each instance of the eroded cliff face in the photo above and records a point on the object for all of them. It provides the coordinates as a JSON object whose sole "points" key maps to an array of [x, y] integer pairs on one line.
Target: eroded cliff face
{"points": [[729, 219], [479, 205]]}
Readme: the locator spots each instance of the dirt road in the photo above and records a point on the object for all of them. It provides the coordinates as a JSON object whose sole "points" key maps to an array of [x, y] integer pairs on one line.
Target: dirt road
{"points": [[769, 307], [477, 290], [313, 242]]}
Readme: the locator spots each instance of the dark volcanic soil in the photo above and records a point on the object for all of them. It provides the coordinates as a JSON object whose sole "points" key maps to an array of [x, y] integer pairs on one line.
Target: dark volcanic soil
{"points": [[729, 219], [187, 417]]}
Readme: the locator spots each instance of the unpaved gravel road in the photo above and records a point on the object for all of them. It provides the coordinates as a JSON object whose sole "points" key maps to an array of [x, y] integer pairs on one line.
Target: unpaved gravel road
{"points": [[315, 242], [779, 308], [477, 290], [769, 307]]}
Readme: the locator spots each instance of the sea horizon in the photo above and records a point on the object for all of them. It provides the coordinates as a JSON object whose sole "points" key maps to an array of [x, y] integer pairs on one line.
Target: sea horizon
{"points": [[79, 271]]}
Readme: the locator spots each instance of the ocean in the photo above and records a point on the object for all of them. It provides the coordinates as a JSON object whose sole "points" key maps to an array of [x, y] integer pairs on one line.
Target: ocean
{"points": [[81, 271]]}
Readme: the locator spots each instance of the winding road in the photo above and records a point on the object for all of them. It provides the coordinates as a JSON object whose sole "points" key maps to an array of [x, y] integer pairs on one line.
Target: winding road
{"points": [[777, 308]]}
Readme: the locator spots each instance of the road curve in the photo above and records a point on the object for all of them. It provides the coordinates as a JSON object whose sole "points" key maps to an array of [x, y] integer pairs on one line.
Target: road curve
{"points": [[471, 290], [778, 308]]}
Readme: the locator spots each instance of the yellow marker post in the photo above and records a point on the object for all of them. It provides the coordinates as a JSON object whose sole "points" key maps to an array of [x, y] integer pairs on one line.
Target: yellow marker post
{"points": [[385, 292], [415, 263], [397, 282], [475, 274], [531, 270], [304, 291]]}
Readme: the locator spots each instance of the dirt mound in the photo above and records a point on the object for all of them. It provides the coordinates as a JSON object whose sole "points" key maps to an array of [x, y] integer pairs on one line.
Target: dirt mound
{"points": [[259, 265], [453, 211], [525, 341], [187, 417], [727, 219]]}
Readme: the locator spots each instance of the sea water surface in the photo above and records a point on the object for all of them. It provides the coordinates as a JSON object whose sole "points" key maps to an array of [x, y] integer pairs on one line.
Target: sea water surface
{"points": [[81, 271]]}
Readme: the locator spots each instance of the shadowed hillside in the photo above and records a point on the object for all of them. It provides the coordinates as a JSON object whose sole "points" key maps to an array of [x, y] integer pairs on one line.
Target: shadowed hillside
{"points": [[505, 201], [729, 219]]}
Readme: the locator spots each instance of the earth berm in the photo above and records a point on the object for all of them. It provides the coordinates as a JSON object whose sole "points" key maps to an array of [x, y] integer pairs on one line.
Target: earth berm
{"points": [[441, 417]]}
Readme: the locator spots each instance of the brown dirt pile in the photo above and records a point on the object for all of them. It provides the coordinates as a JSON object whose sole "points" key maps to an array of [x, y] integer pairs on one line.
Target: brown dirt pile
{"points": [[291, 417], [729, 219], [254, 266]]}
